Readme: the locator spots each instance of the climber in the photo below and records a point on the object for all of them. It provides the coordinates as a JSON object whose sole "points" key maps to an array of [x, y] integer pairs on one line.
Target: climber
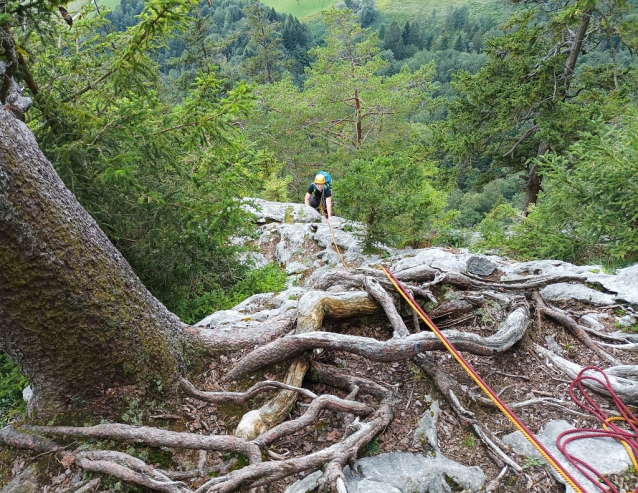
{"points": [[319, 195]]}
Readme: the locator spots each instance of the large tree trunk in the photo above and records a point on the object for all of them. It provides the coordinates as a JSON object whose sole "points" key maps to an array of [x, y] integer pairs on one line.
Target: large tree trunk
{"points": [[534, 179], [73, 315]]}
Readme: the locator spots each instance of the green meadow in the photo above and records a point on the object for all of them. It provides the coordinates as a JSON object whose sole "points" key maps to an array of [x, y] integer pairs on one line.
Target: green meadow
{"points": [[302, 9]]}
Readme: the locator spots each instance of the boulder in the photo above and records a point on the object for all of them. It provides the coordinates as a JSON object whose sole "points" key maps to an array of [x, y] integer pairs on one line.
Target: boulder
{"points": [[563, 291], [402, 472], [480, 266]]}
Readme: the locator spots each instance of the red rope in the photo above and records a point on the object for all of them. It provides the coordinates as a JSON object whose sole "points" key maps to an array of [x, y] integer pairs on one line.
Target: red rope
{"points": [[628, 436]]}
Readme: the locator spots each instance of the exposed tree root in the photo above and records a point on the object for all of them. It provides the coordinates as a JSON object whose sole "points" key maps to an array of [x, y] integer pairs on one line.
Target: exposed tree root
{"points": [[156, 437], [241, 397], [330, 402], [396, 349], [378, 293], [130, 469], [231, 338], [447, 385], [312, 308], [203, 471], [18, 439], [575, 329], [625, 388]]}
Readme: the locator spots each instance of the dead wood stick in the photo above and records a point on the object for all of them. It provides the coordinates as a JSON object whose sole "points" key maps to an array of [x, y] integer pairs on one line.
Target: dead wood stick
{"points": [[241, 397], [510, 375], [156, 437], [545, 401], [378, 293], [575, 329]]}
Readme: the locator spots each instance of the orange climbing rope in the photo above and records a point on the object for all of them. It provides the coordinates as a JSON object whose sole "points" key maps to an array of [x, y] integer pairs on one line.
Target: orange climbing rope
{"points": [[334, 240], [485, 387]]}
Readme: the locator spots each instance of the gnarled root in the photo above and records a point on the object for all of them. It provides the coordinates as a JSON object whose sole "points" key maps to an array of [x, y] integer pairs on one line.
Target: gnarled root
{"points": [[129, 469], [574, 328], [447, 386], [395, 349], [625, 388], [156, 437], [313, 307]]}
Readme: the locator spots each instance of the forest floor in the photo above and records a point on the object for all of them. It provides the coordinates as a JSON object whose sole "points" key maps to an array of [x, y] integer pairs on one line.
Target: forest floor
{"points": [[517, 375]]}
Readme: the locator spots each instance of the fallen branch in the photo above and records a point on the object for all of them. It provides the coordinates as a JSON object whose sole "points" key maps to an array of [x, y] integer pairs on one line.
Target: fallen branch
{"points": [[312, 309]]}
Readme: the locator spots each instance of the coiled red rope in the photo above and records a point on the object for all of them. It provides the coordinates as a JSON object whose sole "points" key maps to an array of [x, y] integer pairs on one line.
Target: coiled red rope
{"points": [[629, 437]]}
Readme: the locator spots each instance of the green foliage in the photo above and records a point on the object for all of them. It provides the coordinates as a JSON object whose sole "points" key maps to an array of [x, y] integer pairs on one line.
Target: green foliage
{"points": [[371, 448], [393, 196], [12, 382], [299, 8], [345, 109], [161, 179], [473, 206], [469, 441], [494, 228], [589, 208], [533, 462]]}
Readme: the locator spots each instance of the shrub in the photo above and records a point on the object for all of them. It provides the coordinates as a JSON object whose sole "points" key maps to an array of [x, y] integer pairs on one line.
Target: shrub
{"points": [[589, 210]]}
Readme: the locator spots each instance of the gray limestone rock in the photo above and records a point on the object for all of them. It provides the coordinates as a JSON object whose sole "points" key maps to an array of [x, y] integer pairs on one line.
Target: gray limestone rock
{"points": [[414, 473], [304, 485], [606, 455], [436, 258], [425, 436], [480, 266], [296, 268], [624, 283], [292, 239], [563, 291], [283, 212], [591, 320], [553, 346], [25, 482], [402, 473], [626, 321]]}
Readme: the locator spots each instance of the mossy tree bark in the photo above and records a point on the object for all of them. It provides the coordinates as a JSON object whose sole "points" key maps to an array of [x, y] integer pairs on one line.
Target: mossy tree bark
{"points": [[73, 315]]}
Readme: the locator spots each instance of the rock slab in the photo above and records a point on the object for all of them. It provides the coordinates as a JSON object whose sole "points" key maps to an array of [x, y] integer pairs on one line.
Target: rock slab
{"points": [[402, 472], [606, 455]]}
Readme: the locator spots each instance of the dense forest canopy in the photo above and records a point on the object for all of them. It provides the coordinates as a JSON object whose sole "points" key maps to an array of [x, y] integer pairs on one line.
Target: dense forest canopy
{"points": [[517, 123]]}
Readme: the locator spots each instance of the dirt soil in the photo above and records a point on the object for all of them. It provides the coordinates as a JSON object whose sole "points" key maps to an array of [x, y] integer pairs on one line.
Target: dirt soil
{"points": [[516, 375]]}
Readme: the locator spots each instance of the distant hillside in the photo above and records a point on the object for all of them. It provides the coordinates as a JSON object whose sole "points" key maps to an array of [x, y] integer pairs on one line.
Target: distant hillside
{"points": [[403, 10], [302, 9], [391, 10]]}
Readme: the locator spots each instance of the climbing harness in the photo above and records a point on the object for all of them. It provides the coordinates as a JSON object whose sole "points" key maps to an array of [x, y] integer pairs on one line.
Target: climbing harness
{"points": [[484, 386]]}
